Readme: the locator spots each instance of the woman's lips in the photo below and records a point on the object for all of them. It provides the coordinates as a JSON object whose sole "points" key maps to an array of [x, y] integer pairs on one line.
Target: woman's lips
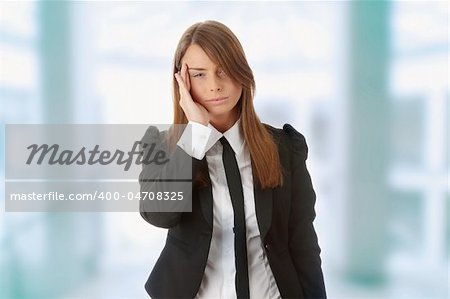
{"points": [[217, 100]]}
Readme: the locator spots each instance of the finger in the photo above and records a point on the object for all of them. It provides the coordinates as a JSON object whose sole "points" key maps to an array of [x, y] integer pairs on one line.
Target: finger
{"points": [[182, 72], [187, 78], [185, 75], [180, 81], [182, 86]]}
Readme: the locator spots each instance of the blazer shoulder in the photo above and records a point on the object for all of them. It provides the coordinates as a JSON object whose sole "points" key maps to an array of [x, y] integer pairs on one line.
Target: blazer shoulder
{"points": [[152, 133], [297, 141], [288, 134]]}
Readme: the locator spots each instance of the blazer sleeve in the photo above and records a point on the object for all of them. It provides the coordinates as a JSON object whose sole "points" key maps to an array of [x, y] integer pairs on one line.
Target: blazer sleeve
{"points": [[156, 178], [303, 242]]}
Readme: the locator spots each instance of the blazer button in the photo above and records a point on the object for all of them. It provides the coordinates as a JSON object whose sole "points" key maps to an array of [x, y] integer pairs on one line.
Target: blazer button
{"points": [[267, 246]]}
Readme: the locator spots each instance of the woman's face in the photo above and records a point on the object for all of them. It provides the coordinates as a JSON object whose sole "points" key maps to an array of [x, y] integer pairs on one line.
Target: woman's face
{"points": [[211, 86]]}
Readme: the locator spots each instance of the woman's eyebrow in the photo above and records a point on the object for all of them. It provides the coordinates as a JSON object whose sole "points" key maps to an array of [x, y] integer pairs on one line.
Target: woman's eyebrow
{"points": [[197, 69]]}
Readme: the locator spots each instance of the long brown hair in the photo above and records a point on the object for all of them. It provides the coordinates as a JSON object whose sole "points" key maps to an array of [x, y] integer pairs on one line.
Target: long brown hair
{"points": [[224, 49]]}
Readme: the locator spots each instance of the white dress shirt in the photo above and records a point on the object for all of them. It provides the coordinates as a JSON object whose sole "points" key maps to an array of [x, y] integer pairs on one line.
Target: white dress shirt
{"points": [[219, 278]]}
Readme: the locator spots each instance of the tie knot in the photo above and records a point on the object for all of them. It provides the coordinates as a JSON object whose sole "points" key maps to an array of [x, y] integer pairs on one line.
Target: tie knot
{"points": [[224, 141], [226, 145]]}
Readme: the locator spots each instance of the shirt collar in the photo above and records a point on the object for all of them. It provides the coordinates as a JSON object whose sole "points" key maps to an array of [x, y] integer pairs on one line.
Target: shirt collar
{"points": [[233, 135]]}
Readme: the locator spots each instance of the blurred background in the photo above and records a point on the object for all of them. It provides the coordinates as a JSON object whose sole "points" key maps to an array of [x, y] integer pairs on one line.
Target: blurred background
{"points": [[366, 82]]}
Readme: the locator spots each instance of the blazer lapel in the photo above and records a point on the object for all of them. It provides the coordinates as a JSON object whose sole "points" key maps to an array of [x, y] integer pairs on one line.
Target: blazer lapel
{"points": [[263, 206], [206, 197]]}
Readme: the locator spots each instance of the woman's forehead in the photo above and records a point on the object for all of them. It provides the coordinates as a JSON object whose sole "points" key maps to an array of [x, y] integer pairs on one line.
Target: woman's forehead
{"points": [[196, 58]]}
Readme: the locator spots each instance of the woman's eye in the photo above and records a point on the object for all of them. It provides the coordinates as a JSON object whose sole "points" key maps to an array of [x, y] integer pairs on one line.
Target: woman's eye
{"points": [[199, 75]]}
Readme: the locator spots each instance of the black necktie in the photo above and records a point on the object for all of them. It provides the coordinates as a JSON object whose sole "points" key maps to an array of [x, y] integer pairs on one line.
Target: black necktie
{"points": [[237, 199]]}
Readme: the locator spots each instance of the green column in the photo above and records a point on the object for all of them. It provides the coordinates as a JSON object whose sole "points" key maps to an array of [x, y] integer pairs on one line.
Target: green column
{"points": [[56, 60], [368, 143], [61, 266]]}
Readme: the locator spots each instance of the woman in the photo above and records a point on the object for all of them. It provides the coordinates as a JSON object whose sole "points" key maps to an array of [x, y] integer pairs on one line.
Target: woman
{"points": [[250, 233]]}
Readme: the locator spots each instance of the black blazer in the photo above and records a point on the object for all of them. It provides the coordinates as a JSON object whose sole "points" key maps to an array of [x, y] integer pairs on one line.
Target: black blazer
{"points": [[285, 219]]}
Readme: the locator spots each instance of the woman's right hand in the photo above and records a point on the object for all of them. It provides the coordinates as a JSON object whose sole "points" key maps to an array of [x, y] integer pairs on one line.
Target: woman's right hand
{"points": [[194, 111]]}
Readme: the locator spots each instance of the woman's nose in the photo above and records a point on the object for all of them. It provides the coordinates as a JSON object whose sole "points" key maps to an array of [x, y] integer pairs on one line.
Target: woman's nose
{"points": [[215, 84]]}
